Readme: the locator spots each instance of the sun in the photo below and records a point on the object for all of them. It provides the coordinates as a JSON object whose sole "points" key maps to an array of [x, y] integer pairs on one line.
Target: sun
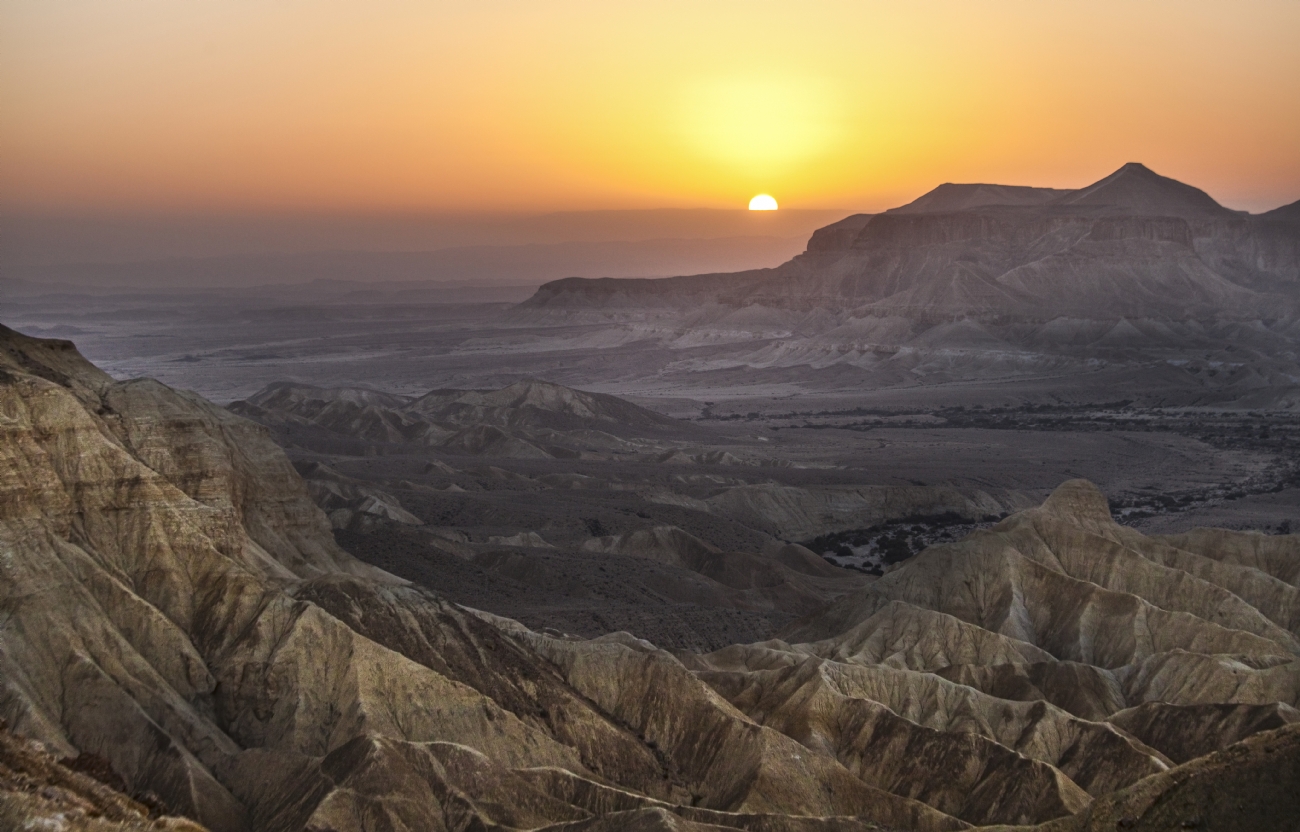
{"points": [[762, 202]]}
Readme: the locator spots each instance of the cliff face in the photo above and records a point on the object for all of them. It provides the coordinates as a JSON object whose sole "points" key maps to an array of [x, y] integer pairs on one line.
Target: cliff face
{"points": [[171, 602], [1134, 244], [1136, 278], [143, 532]]}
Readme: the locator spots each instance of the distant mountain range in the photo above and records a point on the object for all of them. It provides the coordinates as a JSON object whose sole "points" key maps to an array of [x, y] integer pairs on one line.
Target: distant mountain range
{"points": [[1137, 287], [1135, 244]]}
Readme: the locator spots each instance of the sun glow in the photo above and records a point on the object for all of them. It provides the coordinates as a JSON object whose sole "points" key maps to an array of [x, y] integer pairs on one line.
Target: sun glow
{"points": [[762, 125], [762, 202], [584, 105]]}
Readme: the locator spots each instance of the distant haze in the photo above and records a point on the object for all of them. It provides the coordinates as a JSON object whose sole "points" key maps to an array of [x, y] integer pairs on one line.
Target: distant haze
{"points": [[199, 251], [234, 144]]}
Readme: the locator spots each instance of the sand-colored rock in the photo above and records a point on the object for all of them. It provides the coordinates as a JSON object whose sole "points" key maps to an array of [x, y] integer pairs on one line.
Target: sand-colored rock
{"points": [[901, 635], [174, 603], [1081, 689], [1273, 555], [961, 772], [1050, 624], [1247, 787], [1185, 732], [38, 791], [1060, 577], [731, 763]]}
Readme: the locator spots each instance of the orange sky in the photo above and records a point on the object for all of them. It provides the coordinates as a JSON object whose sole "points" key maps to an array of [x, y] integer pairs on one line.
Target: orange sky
{"points": [[163, 105]]}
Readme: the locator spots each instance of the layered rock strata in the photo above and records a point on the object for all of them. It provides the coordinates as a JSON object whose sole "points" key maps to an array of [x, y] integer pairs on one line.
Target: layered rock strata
{"points": [[174, 604]]}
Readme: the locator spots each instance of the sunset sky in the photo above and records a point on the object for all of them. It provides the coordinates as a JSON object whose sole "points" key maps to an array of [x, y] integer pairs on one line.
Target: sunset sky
{"points": [[325, 105]]}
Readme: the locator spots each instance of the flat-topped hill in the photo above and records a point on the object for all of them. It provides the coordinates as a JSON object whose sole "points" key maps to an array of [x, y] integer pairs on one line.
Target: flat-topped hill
{"points": [[1134, 244]]}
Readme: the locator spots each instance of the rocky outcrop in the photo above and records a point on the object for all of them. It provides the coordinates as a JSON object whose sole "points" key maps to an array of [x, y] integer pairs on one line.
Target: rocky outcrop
{"points": [[1123, 655], [1185, 732], [174, 612], [1134, 244], [175, 604], [1248, 786], [988, 282]]}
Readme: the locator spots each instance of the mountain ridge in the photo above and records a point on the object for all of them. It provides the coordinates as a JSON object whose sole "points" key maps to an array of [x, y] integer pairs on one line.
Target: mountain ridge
{"points": [[175, 604], [1136, 275], [1136, 189], [1142, 244]]}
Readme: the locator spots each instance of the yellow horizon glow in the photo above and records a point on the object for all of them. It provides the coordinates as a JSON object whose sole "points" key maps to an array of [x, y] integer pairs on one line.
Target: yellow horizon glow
{"points": [[762, 202], [505, 105], [757, 124]]}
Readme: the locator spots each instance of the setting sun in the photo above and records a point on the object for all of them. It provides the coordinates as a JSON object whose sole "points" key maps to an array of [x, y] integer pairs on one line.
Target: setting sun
{"points": [[762, 202]]}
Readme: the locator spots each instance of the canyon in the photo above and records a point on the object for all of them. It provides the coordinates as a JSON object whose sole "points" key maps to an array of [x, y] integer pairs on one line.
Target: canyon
{"points": [[177, 605]]}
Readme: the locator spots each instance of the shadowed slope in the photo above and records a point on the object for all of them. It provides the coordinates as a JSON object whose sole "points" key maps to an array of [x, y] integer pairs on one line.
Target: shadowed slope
{"points": [[1093, 655], [1247, 787], [175, 604], [1136, 189], [527, 420]]}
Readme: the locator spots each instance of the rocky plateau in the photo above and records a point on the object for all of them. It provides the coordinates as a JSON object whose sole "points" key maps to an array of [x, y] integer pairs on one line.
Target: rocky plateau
{"points": [[1135, 276]]}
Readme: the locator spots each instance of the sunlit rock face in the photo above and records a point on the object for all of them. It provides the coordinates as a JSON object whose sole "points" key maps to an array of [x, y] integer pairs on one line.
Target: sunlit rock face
{"points": [[174, 603]]}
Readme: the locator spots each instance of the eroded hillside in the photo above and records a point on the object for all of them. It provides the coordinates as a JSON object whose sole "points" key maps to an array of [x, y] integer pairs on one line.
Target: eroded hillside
{"points": [[174, 603], [583, 513]]}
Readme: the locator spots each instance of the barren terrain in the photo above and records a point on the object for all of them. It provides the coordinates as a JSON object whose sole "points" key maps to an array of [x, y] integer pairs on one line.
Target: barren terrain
{"points": [[979, 513], [181, 619]]}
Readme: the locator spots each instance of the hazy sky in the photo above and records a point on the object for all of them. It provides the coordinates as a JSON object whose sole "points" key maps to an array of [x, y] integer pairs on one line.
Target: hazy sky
{"points": [[326, 105]]}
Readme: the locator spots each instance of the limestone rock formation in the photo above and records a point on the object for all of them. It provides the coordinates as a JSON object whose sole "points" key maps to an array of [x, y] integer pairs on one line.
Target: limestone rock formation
{"points": [[1137, 276], [1132, 654], [173, 607], [1248, 786], [1134, 244], [174, 603], [78, 794]]}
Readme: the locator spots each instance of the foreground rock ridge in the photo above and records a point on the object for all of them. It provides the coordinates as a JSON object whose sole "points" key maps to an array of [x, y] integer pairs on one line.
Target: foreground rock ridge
{"points": [[173, 604]]}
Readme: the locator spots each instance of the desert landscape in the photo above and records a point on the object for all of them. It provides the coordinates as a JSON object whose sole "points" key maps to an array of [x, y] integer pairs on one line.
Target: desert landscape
{"points": [[406, 427], [749, 574], [174, 584]]}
